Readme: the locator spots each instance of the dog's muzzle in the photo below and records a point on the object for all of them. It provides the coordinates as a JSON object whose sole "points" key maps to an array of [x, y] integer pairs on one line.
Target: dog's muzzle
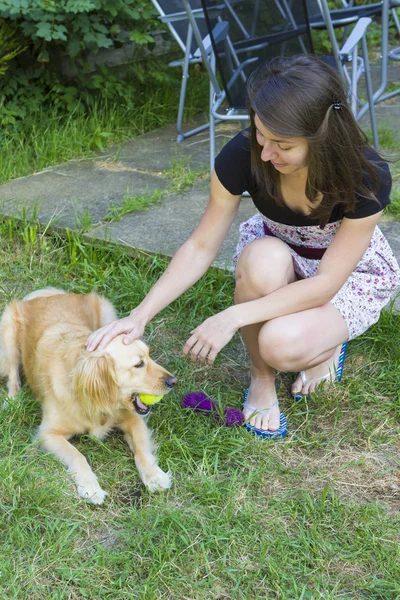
{"points": [[142, 409]]}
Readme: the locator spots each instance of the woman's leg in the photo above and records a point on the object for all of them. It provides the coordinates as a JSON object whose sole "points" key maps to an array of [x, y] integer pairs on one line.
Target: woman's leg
{"points": [[264, 266], [310, 340]]}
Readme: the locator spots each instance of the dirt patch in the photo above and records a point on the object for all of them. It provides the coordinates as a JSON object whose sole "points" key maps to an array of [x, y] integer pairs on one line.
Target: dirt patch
{"points": [[112, 166], [360, 476]]}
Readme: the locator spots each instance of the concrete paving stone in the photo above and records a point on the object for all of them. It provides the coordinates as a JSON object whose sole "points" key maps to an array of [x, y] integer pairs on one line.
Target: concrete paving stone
{"points": [[391, 230], [66, 192], [157, 151], [387, 116], [166, 226]]}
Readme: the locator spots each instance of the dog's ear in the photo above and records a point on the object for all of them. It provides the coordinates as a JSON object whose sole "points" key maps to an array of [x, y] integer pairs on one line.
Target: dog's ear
{"points": [[95, 383]]}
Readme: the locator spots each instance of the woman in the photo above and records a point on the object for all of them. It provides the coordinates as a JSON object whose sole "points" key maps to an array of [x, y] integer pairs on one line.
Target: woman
{"points": [[312, 268]]}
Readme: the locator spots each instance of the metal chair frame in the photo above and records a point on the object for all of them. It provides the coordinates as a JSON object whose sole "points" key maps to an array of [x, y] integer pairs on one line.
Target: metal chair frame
{"points": [[189, 57], [351, 13], [194, 57], [218, 95]]}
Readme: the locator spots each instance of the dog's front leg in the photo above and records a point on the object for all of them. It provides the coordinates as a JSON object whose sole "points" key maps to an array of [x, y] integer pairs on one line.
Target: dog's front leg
{"points": [[9, 351], [138, 438], [86, 481]]}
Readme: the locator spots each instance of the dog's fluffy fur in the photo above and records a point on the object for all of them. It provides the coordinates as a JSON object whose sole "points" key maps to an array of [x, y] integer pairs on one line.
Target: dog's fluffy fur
{"points": [[81, 391]]}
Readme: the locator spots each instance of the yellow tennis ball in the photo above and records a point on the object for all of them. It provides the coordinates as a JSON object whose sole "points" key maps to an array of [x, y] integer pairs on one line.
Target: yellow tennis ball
{"points": [[149, 399]]}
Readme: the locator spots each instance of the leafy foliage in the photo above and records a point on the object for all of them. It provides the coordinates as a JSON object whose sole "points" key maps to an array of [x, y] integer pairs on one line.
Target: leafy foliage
{"points": [[10, 45], [60, 66], [80, 25]]}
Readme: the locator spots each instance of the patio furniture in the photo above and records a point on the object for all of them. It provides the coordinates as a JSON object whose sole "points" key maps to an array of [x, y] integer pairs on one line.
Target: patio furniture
{"points": [[171, 13], [350, 14], [282, 28]]}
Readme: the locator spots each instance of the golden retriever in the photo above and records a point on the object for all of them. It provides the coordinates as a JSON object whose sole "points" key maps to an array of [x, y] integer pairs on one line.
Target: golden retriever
{"points": [[81, 391]]}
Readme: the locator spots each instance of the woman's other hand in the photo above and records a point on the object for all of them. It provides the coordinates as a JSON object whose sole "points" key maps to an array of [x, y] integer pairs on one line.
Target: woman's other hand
{"points": [[211, 336]]}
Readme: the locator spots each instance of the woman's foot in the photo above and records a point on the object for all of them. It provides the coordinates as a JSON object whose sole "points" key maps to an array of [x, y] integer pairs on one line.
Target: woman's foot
{"points": [[321, 375], [262, 397]]}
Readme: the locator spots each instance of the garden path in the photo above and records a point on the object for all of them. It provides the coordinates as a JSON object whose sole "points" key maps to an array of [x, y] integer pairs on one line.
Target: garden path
{"points": [[81, 194]]}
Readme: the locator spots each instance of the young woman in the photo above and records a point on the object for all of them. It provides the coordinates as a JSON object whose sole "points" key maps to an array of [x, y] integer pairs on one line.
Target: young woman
{"points": [[313, 270]]}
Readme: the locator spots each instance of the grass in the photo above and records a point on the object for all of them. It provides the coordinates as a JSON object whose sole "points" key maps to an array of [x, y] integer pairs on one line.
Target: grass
{"points": [[394, 207], [180, 177], [50, 138], [132, 203], [314, 516]]}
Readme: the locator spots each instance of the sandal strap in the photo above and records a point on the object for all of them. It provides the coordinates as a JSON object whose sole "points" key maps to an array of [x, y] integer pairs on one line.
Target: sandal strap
{"points": [[261, 411], [305, 380], [338, 372]]}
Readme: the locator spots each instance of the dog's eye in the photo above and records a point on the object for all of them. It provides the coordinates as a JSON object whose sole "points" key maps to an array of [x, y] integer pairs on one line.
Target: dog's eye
{"points": [[139, 365]]}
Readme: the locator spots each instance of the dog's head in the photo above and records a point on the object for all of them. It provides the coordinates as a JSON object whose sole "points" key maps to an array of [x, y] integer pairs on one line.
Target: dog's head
{"points": [[106, 380]]}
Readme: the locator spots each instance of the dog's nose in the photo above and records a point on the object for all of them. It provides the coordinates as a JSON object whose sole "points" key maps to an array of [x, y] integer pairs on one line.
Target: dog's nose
{"points": [[170, 381]]}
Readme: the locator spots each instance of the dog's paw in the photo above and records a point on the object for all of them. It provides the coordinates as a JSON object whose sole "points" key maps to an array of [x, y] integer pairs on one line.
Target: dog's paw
{"points": [[92, 492], [155, 479], [13, 388]]}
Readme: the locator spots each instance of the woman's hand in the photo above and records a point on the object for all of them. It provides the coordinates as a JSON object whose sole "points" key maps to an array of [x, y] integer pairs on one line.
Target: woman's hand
{"points": [[132, 326], [211, 336]]}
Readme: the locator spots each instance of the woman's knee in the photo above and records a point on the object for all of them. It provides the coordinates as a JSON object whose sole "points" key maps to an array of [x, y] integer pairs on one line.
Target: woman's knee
{"points": [[264, 266], [281, 347]]}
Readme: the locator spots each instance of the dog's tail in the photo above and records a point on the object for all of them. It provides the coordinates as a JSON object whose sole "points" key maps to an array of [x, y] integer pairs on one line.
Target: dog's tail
{"points": [[44, 293], [9, 351]]}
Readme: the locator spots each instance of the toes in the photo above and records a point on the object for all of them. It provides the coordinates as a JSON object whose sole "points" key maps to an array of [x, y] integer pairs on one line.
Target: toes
{"points": [[274, 422], [160, 481], [265, 422], [297, 386], [261, 422]]}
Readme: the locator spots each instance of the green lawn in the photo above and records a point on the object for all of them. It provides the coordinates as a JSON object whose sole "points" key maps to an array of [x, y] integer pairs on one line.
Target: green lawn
{"points": [[313, 516]]}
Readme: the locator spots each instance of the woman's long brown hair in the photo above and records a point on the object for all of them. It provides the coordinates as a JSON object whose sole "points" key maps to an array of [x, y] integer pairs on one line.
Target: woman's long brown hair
{"points": [[295, 97]]}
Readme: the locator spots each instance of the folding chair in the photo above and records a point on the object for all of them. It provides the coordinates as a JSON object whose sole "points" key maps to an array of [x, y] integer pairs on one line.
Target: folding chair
{"points": [[323, 18], [267, 25], [283, 28], [171, 13], [351, 13]]}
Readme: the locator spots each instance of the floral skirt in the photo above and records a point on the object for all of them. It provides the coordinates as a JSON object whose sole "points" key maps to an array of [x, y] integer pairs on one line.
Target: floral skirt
{"points": [[367, 290]]}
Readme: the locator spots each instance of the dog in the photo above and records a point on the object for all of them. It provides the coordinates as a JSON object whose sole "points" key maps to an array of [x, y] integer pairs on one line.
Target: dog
{"points": [[81, 391]]}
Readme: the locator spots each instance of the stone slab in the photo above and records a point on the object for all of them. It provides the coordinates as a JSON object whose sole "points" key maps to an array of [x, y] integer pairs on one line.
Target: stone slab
{"points": [[63, 194], [157, 151], [391, 230], [166, 226]]}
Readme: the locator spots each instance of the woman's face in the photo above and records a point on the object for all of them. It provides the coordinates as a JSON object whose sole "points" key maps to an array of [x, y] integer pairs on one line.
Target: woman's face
{"points": [[287, 155]]}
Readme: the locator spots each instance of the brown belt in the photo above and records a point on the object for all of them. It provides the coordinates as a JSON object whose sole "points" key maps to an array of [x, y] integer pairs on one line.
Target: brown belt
{"points": [[304, 251]]}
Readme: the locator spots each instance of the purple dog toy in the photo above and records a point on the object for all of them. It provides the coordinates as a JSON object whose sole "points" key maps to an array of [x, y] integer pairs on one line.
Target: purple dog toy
{"points": [[199, 402]]}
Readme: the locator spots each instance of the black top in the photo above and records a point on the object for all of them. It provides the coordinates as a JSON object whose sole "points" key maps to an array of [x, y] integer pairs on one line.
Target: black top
{"points": [[233, 168]]}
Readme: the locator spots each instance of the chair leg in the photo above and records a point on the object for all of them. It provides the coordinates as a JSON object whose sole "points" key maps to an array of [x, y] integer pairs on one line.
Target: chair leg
{"points": [[212, 119], [370, 93], [396, 19], [185, 77]]}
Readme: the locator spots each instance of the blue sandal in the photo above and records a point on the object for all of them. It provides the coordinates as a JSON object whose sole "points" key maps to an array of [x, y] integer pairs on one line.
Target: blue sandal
{"points": [[266, 433], [338, 373]]}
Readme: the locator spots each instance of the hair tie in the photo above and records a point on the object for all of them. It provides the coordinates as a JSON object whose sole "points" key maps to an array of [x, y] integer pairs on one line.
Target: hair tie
{"points": [[337, 105]]}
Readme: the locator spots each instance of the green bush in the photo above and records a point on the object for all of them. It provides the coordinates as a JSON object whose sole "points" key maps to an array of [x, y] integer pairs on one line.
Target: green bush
{"points": [[78, 26], [10, 44], [56, 33]]}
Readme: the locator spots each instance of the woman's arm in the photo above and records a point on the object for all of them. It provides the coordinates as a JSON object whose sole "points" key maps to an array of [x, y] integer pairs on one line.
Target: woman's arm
{"points": [[336, 266], [187, 266]]}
